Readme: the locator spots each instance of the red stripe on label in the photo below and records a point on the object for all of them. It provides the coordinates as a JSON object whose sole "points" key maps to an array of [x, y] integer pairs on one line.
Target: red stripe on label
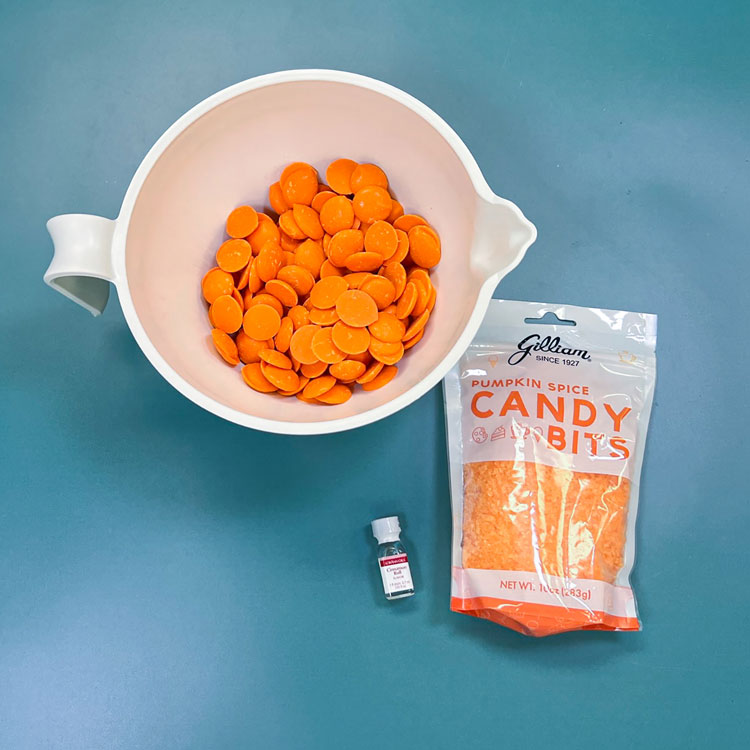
{"points": [[395, 560]]}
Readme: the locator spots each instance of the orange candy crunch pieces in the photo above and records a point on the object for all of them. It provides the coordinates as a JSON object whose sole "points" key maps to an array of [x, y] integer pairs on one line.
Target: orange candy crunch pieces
{"points": [[545, 454]]}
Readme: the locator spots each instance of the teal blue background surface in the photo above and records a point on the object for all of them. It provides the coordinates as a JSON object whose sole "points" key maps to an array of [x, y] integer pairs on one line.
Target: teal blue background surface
{"points": [[172, 581]]}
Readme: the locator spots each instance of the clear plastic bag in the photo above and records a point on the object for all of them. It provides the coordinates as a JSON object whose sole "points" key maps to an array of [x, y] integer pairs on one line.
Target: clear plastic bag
{"points": [[546, 429]]}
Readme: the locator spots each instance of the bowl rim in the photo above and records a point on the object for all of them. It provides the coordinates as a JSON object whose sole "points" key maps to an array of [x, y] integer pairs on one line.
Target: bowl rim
{"points": [[339, 424]]}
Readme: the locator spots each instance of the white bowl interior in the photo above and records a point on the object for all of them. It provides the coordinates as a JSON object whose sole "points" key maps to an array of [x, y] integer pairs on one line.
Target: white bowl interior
{"points": [[229, 157]]}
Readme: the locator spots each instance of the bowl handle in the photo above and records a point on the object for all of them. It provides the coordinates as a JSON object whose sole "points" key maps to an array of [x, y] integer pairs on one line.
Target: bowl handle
{"points": [[81, 268], [503, 235]]}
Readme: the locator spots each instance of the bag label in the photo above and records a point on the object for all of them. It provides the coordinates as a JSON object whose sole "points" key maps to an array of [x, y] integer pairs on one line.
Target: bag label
{"points": [[560, 410], [520, 586]]}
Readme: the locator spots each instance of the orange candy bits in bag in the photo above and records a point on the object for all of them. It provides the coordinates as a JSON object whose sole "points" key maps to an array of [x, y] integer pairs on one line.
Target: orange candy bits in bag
{"points": [[546, 427]]}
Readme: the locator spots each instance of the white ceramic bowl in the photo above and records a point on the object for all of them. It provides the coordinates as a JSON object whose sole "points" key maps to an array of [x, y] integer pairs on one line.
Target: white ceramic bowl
{"points": [[225, 152]]}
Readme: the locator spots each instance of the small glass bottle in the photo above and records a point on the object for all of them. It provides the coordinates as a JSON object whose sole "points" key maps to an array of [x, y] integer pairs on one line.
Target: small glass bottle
{"points": [[392, 558]]}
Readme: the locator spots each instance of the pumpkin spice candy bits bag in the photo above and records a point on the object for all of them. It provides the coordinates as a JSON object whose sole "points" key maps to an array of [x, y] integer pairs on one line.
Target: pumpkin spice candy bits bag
{"points": [[546, 427]]}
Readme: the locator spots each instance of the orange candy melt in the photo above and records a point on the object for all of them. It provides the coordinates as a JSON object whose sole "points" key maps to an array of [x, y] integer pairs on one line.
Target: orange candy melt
{"points": [[396, 274], [383, 377], [324, 348], [380, 289], [348, 370], [364, 261], [424, 246], [284, 335], [381, 238], [357, 308], [226, 314], [337, 395], [310, 255], [397, 210], [327, 291], [261, 322], [314, 370], [264, 298], [337, 214], [343, 244], [301, 345], [299, 278], [370, 373], [413, 340], [367, 175], [226, 347], [321, 199], [323, 317], [339, 175], [268, 262], [267, 231], [406, 302], [299, 316], [406, 221], [277, 359], [331, 294], [349, 339], [242, 221], [288, 225], [308, 221], [216, 283], [388, 328], [300, 186], [254, 377], [371, 204], [276, 198], [283, 292], [318, 386], [283, 378], [233, 255], [249, 349]]}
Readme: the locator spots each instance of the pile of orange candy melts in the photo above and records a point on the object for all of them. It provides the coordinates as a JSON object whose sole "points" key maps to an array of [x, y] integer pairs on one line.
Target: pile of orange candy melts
{"points": [[331, 293]]}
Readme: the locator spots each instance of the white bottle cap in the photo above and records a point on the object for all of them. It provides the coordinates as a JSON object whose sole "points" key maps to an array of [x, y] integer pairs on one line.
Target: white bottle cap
{"points": [[386, 529]]}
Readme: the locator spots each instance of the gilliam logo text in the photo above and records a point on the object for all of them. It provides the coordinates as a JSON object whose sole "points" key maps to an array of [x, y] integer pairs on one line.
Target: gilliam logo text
{"points": [[551, 344]]}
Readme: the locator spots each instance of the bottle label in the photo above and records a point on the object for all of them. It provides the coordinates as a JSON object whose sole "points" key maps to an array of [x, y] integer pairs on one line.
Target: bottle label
{"points": [[396, 574]]}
